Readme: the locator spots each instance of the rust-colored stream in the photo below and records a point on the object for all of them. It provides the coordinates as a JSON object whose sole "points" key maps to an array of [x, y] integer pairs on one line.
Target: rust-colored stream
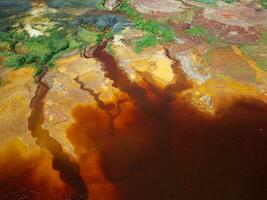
{"points": [[69, 171]]}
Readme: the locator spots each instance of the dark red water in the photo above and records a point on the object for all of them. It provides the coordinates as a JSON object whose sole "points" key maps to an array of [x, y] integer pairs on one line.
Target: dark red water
{"points": [[169, 150], [158, 148]]}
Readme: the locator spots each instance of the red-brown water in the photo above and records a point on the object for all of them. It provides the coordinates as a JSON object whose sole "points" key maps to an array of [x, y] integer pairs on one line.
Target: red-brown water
{"points": [[68, 170], [158, 148], [166, 149]]}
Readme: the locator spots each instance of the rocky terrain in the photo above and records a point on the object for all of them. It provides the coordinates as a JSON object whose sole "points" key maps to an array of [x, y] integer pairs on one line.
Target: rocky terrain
{"points": [[133, 100]]}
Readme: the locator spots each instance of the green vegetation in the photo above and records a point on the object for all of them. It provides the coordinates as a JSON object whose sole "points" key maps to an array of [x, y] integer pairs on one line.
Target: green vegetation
{"points": [[5, 37], [129, 11], [9, 40], [263, 39], [19, 50], [110, 50], [40, 49], [199, 31], [147, 41], [155, 30], [264, 3], [87, 37], [78, 41], [18, 36], [100, 5], [73, 45], [196, 31], [6, 53], [99, 39], [109, 35], [5, 46], [44, 50], [14, 61], [36, 50]]}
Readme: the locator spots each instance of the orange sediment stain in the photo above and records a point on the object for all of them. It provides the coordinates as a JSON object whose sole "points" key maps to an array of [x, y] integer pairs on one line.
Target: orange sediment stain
{"points": [[88, 135], [26, 172]]}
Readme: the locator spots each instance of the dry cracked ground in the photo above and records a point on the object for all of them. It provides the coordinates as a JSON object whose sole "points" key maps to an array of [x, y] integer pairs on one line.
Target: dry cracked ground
{"points": [[184, 119]]}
